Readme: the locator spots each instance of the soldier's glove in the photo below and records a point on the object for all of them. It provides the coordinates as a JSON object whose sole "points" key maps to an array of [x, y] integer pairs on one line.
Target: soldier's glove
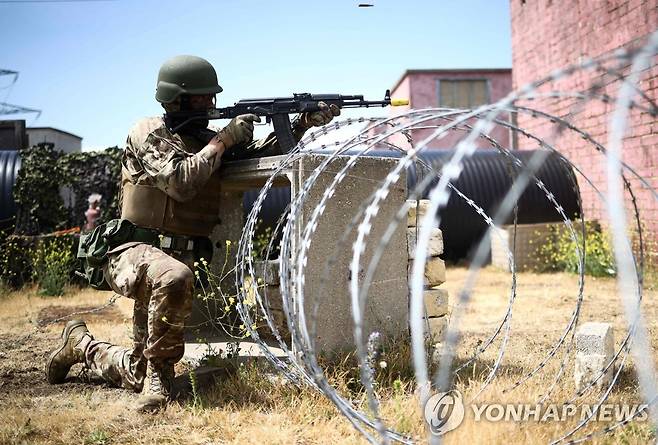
{"points": [[318, 118], [239, 130]]}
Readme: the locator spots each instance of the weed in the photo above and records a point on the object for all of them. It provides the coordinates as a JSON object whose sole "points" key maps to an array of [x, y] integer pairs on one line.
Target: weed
{"points": [[98, 437], [222, 304], [15, 261], [53, 262], [197, 403], [560, 251]]}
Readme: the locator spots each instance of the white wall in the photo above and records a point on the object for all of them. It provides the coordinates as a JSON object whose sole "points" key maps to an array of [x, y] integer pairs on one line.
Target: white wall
{"points": [[63, 141]]}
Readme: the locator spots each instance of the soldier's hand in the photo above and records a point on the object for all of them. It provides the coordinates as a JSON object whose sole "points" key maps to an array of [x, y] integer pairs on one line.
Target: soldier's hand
{"points": [[239, 130], [319, 118]]}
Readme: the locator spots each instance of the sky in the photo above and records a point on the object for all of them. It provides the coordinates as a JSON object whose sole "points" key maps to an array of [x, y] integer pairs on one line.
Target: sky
{"points": [[91, 66]]}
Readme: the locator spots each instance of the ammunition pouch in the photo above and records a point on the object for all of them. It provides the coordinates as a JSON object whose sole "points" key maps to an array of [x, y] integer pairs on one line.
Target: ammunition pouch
{"points": [[94, 247]]}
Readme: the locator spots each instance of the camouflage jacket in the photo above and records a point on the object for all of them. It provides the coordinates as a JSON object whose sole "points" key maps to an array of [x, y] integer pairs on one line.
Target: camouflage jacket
{"points": [[176, 164]]}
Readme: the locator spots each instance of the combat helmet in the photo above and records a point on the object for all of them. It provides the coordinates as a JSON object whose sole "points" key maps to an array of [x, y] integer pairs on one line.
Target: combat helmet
{"points": [[185, 75]]}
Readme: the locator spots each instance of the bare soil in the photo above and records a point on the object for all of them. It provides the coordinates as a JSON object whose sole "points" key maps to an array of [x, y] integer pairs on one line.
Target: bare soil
{"points": [[24, 353]]}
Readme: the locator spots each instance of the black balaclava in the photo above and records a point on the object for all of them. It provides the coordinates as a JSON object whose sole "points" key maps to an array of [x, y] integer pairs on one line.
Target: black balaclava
{"points": [[197, 128]]}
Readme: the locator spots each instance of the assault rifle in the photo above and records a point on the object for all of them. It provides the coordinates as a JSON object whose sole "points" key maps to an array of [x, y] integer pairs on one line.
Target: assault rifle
{"points": [[277, 110]]}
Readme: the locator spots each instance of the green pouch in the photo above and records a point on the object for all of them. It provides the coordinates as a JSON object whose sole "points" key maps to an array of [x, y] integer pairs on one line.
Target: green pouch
{"points": [[119, 231], [93, 248], [92, 253]]}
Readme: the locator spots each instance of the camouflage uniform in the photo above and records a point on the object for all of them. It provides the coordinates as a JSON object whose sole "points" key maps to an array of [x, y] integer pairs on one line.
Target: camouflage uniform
{"points": [[162, 288], [169, 185], [160, 282]]}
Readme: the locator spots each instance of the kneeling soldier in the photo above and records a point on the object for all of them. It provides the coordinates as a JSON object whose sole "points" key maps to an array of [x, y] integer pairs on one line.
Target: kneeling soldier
{"points": [[170, 204]]}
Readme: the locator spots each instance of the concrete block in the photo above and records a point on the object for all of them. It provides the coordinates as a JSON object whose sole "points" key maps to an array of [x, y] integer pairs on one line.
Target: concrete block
{"points": [[280, 322], [594, 349], [417, 211], [268, 271], [223, 260], [436, 326], [436, 302], [435, 272], [387, 307], [196, 352], [272, 298], [588, 367], [528, 239], [435, 242], [595, 338]]}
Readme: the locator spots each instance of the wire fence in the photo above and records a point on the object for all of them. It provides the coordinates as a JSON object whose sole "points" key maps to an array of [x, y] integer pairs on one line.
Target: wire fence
{"points": [[623, 95]]}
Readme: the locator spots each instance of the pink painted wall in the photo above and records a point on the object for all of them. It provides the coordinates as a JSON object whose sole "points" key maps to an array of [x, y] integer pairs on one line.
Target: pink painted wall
{"points": [[421, 88], [544, 38]]}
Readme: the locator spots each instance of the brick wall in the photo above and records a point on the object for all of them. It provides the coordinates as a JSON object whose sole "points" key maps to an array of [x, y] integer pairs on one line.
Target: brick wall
{"points": [[550, 34]]}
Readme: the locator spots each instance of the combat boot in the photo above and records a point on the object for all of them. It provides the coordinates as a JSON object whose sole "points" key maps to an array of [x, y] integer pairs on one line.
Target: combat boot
{"points": [[157, 387], [75, 340]]}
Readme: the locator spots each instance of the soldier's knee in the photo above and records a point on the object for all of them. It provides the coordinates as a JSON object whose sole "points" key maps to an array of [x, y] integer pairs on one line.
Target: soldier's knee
{"points": [[182, 277], [177, 278]]}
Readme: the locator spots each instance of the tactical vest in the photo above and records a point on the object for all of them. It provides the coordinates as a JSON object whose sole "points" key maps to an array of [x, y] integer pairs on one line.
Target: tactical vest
{"points": [[148, 206]]}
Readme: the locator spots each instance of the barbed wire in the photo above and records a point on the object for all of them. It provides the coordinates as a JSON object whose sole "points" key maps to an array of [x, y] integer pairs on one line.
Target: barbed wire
{"points": [[296, 234], [293, 236]]}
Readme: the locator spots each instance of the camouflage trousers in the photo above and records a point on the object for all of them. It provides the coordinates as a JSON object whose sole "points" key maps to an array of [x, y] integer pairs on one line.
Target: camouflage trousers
{"points": [[162, 288]]}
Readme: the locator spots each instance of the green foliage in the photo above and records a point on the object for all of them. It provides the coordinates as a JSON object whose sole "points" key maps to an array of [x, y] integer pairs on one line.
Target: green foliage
{"points": [[261, 241], [53, 263], [98, 437], [560, 253], [40, 206], [48, 261], [44, 171], [15, 261], [92, 172]]}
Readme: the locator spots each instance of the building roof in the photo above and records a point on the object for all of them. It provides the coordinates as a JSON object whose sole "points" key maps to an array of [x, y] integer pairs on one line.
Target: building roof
{"points": [[450, 71], [54, 129]]}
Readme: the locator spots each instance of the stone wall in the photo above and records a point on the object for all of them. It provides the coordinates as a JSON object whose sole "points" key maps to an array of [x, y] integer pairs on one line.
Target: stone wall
{"points": [[327, 300], [435, 299]]}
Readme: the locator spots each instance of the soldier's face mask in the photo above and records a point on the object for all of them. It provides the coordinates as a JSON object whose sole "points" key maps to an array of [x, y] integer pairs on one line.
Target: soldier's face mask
{"points": [[196, 103]]}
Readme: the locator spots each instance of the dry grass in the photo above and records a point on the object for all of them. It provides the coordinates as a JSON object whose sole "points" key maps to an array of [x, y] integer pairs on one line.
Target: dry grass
{"points": [[245, 407], [543, 307]]}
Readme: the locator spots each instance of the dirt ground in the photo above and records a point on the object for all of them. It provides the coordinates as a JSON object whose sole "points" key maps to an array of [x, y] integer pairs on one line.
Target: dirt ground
{"points": [[243, 407]]}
